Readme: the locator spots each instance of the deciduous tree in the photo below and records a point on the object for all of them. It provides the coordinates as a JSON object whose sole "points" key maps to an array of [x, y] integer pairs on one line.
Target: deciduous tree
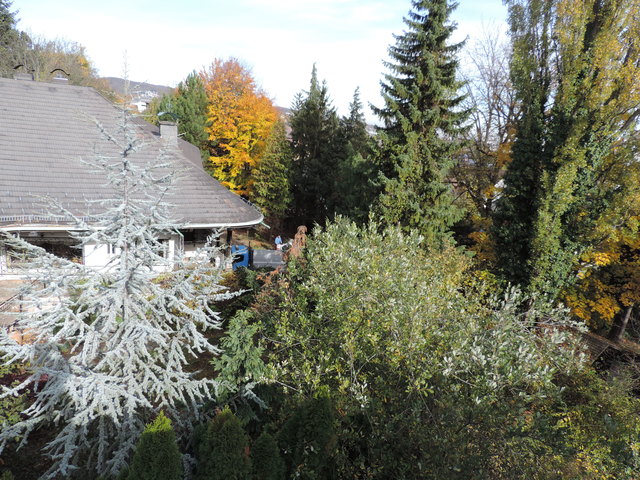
{"points": [[429, 379], [490, 98], [239, 121], [574, 68]]}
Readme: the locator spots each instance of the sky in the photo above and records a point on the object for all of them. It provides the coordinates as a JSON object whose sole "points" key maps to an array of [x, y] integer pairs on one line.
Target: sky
{"points": [[278, 40]]}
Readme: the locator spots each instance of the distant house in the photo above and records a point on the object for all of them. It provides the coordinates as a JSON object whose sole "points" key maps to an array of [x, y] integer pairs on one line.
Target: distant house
{"points": [[48, 129]]}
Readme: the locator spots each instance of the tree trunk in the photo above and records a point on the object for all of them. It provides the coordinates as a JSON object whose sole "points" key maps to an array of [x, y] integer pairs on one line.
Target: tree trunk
{"points": [[620, 325]]}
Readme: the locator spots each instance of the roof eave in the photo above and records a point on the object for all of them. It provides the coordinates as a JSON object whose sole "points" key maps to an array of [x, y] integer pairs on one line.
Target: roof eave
{"points": [[73, 228]]}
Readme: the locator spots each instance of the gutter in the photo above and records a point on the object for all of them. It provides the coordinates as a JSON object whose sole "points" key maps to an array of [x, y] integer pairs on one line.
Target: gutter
{"points": [[72, 228]]}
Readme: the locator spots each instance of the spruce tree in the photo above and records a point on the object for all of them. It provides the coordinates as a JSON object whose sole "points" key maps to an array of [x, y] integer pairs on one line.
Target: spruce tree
{"points": [[157, 455], [314, 135], [355, 170], [354, 127], [421, 124]]}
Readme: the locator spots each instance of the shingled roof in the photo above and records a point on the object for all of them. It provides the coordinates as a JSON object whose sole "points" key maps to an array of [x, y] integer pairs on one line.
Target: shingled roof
{"points": [[48, 129]]}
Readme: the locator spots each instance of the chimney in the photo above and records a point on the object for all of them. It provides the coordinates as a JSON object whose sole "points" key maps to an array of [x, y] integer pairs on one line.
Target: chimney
{"points": [[23, 76], [169, 132]]}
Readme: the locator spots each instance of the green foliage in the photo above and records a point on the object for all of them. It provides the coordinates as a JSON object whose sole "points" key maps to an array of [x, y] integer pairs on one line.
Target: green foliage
{"points": [[332, 171], [266, 462], [316, 152], [308, 439], [245, 280], [188, 104], [356, 170], [432, 376], [272, 184], [575, 76], [222, 450], [422, 122], [240, 365], [10, 38], [601, 425], [157, 455], [10, 406]]}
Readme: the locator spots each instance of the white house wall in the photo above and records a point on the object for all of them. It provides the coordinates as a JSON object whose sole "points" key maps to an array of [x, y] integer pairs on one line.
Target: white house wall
{"points": [[99, 256]]}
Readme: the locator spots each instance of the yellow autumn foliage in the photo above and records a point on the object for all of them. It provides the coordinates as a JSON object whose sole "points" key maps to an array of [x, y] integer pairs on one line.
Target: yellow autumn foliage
{"points": [[240, 119], [609, 280]]}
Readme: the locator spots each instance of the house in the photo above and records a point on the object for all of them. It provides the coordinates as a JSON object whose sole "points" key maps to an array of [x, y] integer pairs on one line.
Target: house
{"points": [[47, 134]]}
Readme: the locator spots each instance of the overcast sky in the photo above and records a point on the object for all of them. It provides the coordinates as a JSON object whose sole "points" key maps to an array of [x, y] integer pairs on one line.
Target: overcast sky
{"points": [[279, 40]]}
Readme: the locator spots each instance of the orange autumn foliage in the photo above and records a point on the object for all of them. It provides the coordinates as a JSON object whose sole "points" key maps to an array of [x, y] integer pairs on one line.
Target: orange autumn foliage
{"points": [[240, 119]]}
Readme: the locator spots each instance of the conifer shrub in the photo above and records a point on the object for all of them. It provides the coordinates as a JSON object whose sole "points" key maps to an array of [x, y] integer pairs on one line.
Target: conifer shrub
{"points": [[223, 449], [157, 455], [267, 463], [308, 439]]}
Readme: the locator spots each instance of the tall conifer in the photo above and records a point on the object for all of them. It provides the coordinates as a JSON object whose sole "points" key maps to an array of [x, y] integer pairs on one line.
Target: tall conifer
{"points": [[272, 175], [356, 170], [314, 131], [421, 123]]}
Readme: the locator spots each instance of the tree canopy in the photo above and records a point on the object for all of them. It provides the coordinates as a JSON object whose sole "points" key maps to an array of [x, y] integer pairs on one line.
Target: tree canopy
{"points": [[239, 121], [573, 67]]}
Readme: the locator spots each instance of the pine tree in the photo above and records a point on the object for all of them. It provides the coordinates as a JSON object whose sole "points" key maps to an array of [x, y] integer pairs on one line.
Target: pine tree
{"points": [[272, 175], [157, 455], [421, 124], [114, 344], [316, 153]]}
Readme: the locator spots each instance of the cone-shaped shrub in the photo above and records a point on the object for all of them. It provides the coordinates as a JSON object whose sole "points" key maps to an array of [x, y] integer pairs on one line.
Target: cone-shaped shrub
{"points": [[157, 455], [222, 452], [266, 459], [308, 439]]}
